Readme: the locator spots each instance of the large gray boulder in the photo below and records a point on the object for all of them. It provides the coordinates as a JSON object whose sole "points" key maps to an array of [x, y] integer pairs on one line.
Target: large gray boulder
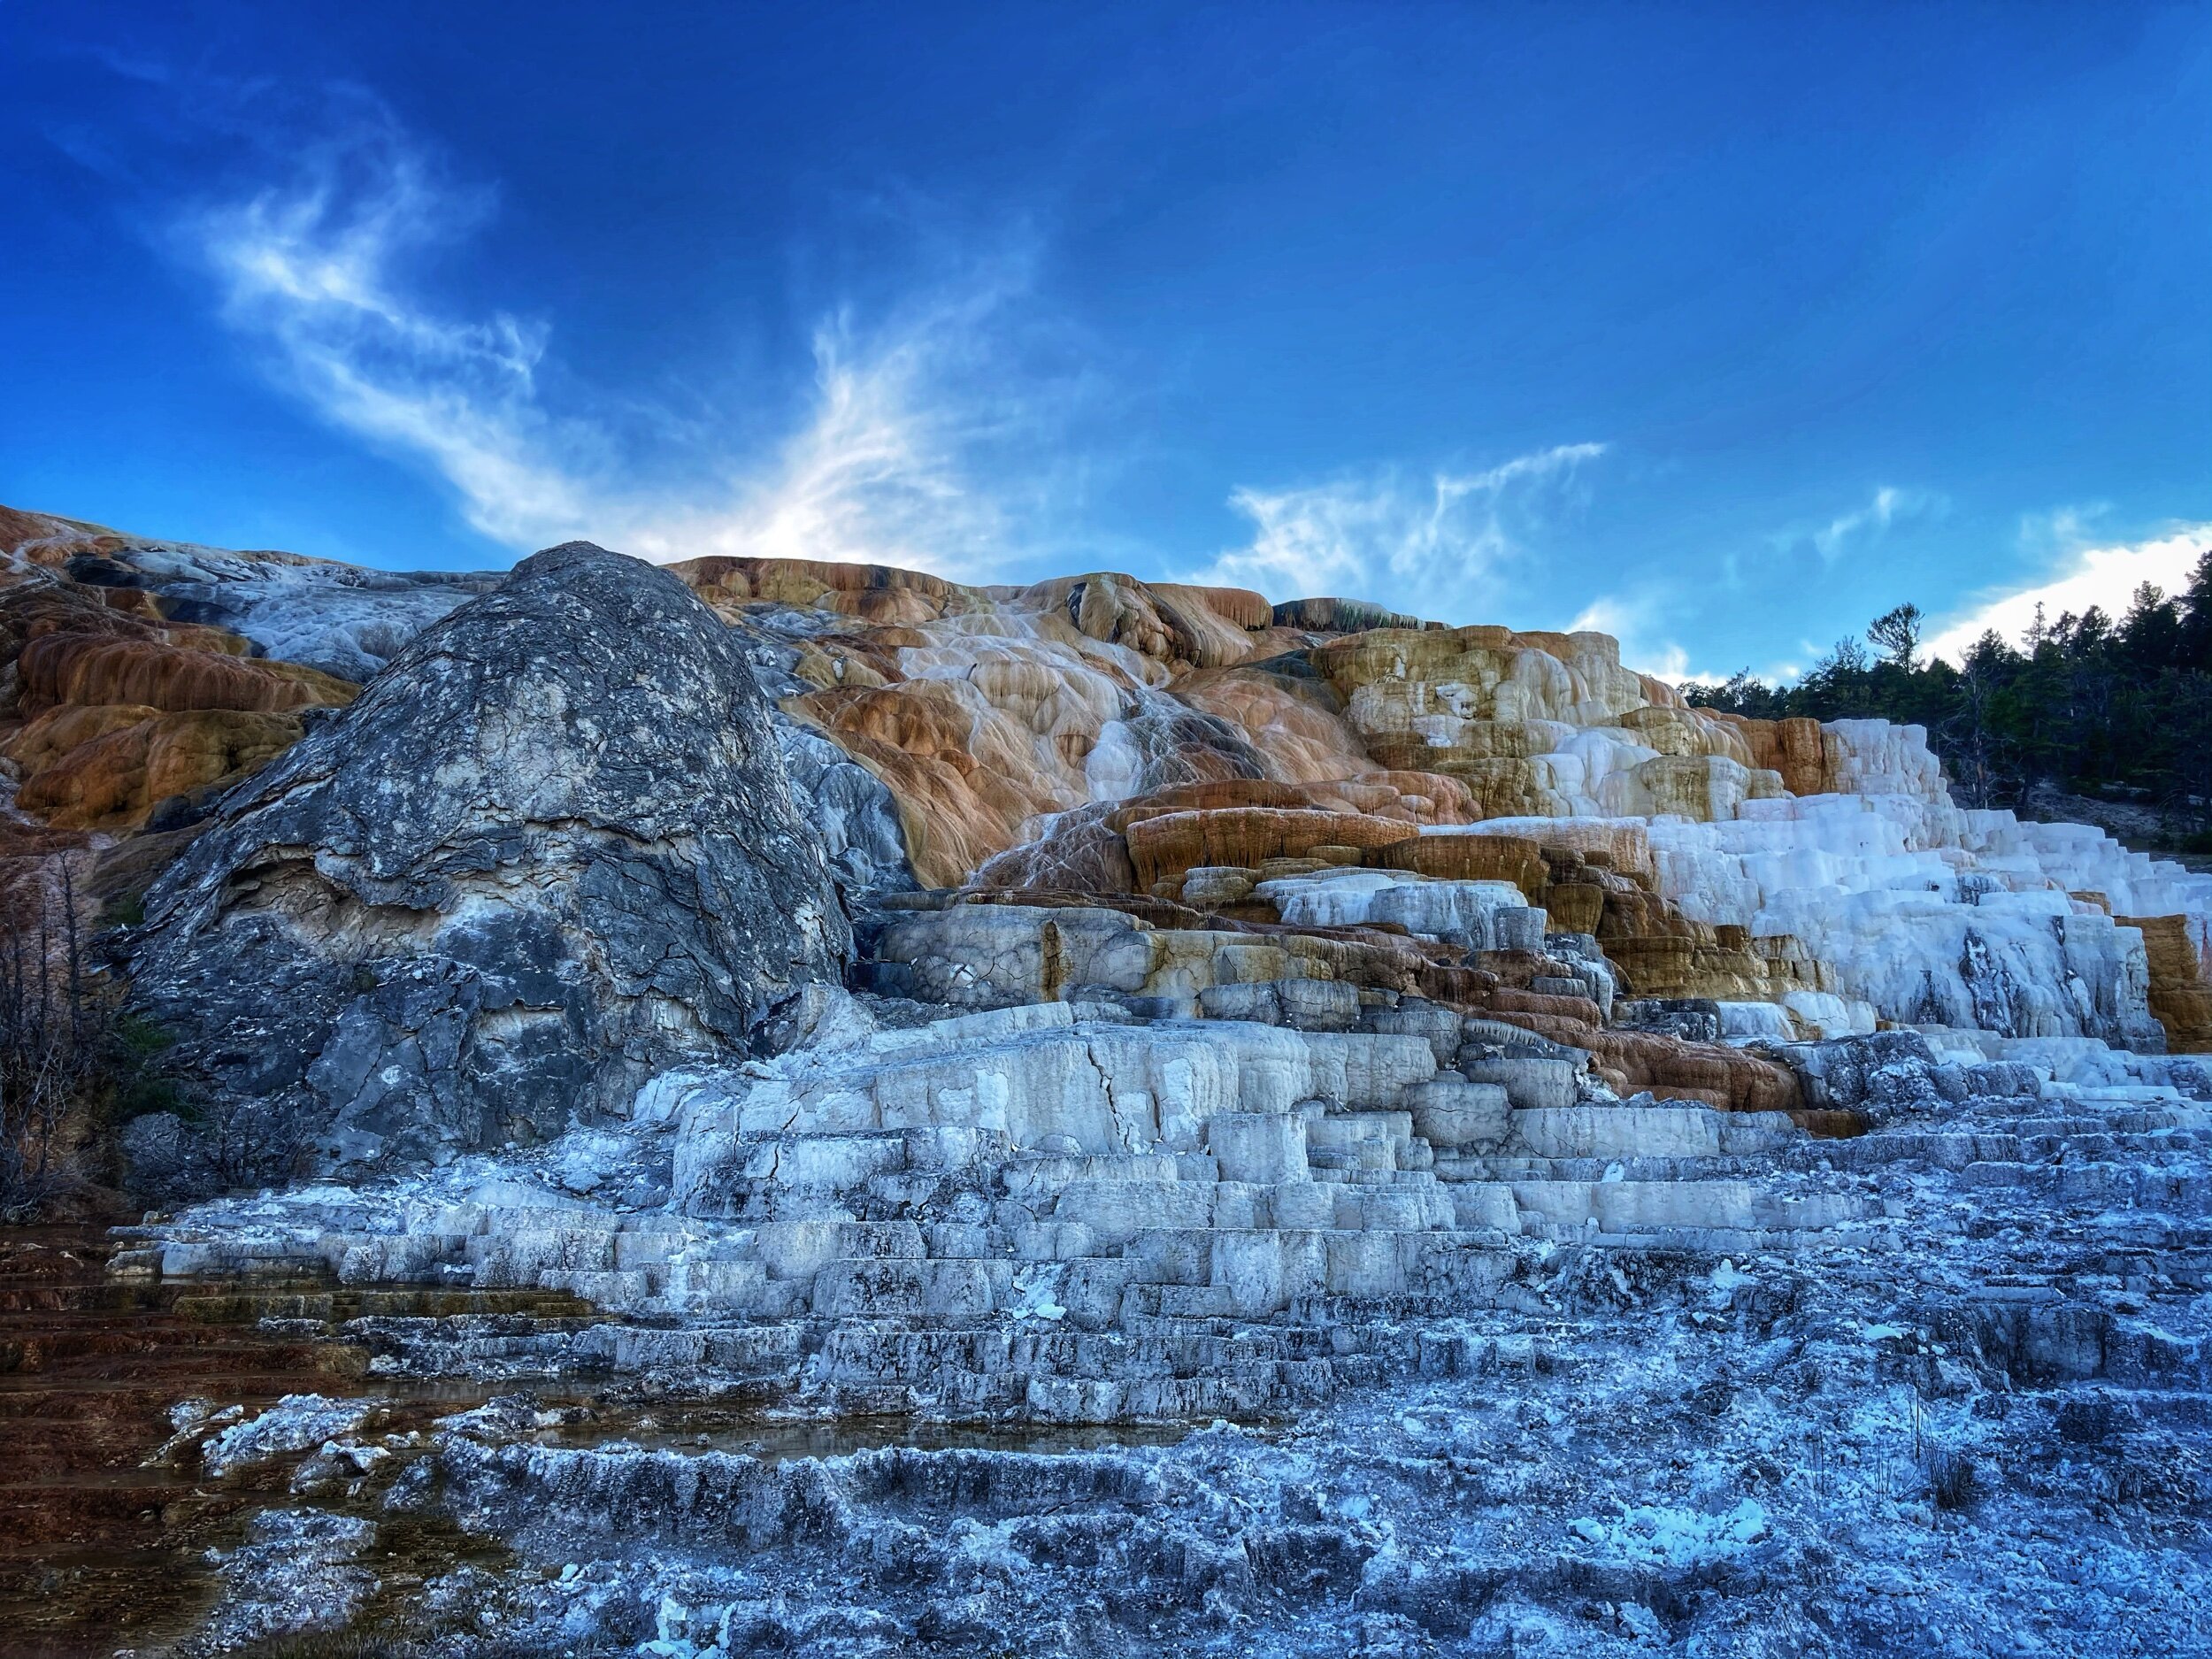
{"points": [[551, 850]]}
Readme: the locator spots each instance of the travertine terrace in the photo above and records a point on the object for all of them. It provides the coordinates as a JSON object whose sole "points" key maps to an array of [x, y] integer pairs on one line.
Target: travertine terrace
{"points": [[1264, 1127]]}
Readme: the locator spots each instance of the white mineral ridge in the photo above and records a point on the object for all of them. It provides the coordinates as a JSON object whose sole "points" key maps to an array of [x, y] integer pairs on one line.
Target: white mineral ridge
{"points": [[1925, 913], [1674, 1537], [1494, 914], [1035, 1072], [293, 1425]]}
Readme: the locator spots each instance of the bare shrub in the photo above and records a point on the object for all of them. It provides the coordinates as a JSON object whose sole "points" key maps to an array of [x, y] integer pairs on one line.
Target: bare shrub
{"points": [[54, 1028], [217, 1145], [1953, 1479]]}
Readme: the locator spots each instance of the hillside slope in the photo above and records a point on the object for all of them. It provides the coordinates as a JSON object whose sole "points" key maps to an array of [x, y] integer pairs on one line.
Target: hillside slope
{"points": [[1607, 1174]]}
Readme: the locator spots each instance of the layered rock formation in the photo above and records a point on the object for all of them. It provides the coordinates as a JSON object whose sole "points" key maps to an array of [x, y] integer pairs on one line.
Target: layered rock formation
{"points": [[114, 700], [1312, 765], [1613, 1150], [109, 766], [340, 619], [1544, 724], [1145, 744]]}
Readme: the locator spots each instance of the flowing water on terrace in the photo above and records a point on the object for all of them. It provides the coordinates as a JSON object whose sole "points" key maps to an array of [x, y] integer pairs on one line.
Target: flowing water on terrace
{"points": [[99, 1546], [688, 1428], [104, 1550]]}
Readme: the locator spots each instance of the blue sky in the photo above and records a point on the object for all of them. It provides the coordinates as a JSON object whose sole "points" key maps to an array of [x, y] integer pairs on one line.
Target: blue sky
{"points": [[1721, 328]]}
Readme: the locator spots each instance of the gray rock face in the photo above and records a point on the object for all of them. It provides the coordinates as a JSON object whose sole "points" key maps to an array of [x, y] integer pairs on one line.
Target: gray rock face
{"points": [[858, 821], [550, 850], [1887, 1067]]}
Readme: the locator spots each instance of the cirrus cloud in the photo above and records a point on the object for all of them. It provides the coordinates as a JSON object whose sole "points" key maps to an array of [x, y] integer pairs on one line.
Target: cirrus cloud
{"points": [[1858, 529], [916, 418], [1434, 546]]}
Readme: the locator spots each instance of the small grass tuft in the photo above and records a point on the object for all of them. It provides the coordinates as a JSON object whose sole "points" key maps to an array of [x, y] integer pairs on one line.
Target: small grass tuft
{"points": [[1953, 1480]]}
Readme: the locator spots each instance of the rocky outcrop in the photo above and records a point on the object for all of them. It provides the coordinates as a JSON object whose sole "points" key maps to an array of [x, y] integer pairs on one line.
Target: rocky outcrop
{"points": [[345, 621], [550, 850], [856, 815], [978, 738], [1542, 830], [1547, 725], [1173, 843], [2180, 989], [1803, 754], [1341, 616], [1150, 842], [984, 711]]}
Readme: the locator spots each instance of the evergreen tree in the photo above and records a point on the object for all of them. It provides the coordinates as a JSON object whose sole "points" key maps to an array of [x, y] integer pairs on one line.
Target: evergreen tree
{"points": [[2084, 702]]}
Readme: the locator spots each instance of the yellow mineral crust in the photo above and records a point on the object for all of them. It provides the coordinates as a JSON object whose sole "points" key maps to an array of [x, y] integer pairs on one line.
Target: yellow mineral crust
{"points": [[2181, 993], [1540, 724]]}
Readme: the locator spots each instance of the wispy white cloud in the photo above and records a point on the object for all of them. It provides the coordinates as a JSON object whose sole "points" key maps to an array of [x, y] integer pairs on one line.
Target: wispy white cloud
{"points": [[1615, 614], [2106, 576], [1434, 547], [2063, 530], [1860, 527], [881, 464], [883, 468], [312, 268]]}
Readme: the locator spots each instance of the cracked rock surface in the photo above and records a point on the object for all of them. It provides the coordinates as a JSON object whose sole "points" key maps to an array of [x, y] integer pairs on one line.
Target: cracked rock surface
{"points": [[552, 849]]}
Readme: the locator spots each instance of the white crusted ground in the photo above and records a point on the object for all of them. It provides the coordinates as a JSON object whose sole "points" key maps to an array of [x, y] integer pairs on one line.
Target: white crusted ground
{"points": [[1943, 1388]]}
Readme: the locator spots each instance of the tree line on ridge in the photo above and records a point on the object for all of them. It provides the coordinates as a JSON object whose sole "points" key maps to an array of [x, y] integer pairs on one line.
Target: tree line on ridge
{"points": [[2118, 710]]}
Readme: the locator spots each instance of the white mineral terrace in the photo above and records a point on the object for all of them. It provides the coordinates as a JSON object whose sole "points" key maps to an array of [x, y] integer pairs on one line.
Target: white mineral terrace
{"points": [[1294, 1294]]}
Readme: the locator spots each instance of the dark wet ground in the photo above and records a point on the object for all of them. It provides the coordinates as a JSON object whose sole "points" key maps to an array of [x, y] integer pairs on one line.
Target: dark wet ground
{"points": [[774, 1439], [101, 1549]]}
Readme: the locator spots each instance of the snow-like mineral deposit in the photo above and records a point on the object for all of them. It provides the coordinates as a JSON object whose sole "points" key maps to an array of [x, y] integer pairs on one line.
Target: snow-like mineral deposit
{"points": [[1331, 1138]]}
